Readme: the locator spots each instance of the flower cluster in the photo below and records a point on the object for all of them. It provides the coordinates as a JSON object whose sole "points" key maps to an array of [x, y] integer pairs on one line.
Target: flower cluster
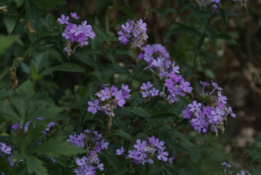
{"points": [[110, 98], [159, 62], [148, 90], [137, 31], [94, 143], [75, 33], [228, 172], [143, 151], [158, 59], [211, 113], [176, 85]]}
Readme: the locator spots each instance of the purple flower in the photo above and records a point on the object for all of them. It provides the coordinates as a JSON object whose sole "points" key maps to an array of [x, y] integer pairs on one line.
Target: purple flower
{"points": [[154, 92], [186, 113], [171, 159], [231, 112], [64, 19], [185, 86], [146, 86], [15, 126], [175, 69], [226, 166], [140, 144], [90, 163], [216, 115], [163, 156], [137, 31], [47, 129], [74, 15], [194, 106], [104, 145], [76, 33], [101, 167], [4, 148], [144, 151], [216, 87], [120, 151], [204, 83], [222, 99], [93, 106], [104, 94]]}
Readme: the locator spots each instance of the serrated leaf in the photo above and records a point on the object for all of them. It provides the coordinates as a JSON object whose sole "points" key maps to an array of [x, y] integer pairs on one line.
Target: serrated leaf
{"points": [[35, 165], [8, 113], [45, 111], [121, 133]]}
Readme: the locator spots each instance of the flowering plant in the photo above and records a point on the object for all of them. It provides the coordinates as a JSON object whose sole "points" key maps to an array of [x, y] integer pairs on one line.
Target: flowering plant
{"points": [[107, 96]]}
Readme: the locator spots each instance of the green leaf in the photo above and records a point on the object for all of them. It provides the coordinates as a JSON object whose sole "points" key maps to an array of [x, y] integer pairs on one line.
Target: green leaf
{"points": [[6, 42], [121, 133], [162, 117], [8, 113], [70, 67], [184, 29], [45, 111], [170, 169], [138, 111], [184, 123], [57, 147], [112, 161], [164, 13], [183, 137], [66, 67], [4, 165], [35, 165], [223, 16], [48, 4]]}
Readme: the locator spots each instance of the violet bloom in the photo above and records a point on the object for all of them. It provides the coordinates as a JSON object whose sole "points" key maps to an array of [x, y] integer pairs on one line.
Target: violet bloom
{"points": [[222, 99], [163, 156], [4, 148], [15, 126], [203, 84], [146, 86], [120, 151], [195, 106], [93, 106], [74, 15], [104, 94], [48, 127], [216, 115], [140, 144], [186, 113], [154, 92], [226, 166], [215, 87], [131, 30], [64, 19], [175, 69], [171, 159]]}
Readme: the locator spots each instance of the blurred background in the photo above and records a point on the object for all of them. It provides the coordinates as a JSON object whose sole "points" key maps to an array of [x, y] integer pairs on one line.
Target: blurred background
{"points": [[223, 46]]}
